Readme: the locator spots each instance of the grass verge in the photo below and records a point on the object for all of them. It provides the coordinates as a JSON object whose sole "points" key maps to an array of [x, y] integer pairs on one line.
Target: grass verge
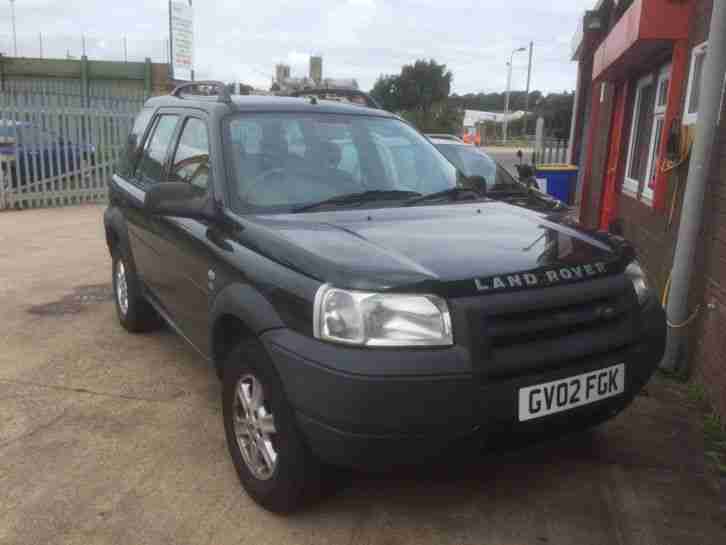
{"points": [[713, 430]]}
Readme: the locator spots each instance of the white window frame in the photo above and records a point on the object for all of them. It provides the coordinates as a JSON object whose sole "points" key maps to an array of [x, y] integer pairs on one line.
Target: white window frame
{"points": [[658, 115], [700, 49], [631, 186]]}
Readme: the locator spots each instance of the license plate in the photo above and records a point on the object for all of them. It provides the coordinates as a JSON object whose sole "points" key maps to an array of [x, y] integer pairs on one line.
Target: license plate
{"points": [[567, 393]]}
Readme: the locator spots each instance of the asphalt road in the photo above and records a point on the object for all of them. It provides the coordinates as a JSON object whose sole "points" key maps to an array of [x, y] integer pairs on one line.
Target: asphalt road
{"points": [[111, 438]]}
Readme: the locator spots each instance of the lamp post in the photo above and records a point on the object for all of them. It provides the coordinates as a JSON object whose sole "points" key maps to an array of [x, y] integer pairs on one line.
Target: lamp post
{"points": [[509, 87], [15, 35]]}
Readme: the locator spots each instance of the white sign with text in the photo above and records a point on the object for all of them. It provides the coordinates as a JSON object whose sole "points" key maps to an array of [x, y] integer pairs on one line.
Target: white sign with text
{"points": [[182, 40]]}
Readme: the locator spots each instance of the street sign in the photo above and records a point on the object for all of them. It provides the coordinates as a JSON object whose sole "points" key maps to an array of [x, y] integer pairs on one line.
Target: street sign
{"points": [[181, 23]]}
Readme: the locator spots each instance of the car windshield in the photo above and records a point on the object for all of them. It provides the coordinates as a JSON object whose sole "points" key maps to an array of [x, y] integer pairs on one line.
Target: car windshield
{"points": [[472, 162], [285, 161]]}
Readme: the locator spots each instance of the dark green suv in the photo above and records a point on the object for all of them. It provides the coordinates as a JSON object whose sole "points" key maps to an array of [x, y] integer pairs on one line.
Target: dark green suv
{"points": [[364, 303]]}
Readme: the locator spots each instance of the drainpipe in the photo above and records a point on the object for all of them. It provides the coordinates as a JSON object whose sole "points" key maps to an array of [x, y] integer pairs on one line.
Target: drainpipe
{"points": [[711, 92]]}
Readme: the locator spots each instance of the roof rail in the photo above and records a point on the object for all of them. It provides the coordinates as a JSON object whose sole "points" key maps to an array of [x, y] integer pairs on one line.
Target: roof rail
{"points": [[222, 91], [324, 93]]}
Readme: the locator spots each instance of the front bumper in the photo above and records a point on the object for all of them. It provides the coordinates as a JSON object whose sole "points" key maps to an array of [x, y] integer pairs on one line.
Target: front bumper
{"points": [[378, 409]]}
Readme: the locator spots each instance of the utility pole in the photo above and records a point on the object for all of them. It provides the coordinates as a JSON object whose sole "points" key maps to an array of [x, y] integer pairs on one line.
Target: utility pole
{"points": [[689, 232], [15, 34], [40, 41], [83, 44], [529, 80], [171, 46], [126, 52], [509, 89]]}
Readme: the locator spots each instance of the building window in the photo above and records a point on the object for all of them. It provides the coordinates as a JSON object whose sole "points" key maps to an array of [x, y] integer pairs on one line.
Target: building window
{"points": [[646, 134], [698, 56], [661, 101], [639, 136]]}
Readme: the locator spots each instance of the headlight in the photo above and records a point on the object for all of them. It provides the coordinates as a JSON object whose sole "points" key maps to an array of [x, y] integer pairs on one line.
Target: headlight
{"points": [[381, 319], [637, 276]]}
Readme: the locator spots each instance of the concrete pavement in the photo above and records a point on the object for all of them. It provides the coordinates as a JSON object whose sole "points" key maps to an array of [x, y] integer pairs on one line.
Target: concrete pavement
{"points": [[109, 438]]}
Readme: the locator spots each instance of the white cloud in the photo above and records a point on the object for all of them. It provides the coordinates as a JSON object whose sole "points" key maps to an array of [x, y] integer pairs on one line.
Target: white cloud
{"points": [[357, 38]]}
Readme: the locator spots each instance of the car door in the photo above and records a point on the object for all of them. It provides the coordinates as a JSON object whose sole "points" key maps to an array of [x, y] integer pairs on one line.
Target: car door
{"points": [[183, 246], [144, 229]]}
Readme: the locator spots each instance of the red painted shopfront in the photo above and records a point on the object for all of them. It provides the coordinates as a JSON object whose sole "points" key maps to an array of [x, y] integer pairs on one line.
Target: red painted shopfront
{"points": [[641, 67]]}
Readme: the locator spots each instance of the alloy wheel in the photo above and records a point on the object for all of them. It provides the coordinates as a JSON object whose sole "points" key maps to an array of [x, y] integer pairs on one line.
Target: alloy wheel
{"points": [[254, 427]]}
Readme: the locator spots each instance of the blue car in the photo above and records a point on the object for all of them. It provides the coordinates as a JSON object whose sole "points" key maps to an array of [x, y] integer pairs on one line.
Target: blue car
{"points": [[29, 153]]}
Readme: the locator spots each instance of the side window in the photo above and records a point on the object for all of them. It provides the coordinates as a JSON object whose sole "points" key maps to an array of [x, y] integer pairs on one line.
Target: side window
{"points": [[132, 144], [151, 166], [191, 159]]}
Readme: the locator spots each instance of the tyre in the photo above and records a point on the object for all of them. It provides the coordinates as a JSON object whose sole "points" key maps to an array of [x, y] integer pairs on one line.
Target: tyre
{"points": [[134, 312], [274, 465]]}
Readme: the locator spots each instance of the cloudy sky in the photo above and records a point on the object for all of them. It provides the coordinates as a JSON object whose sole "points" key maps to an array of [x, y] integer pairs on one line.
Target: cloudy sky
{"points": [[357, 38]]}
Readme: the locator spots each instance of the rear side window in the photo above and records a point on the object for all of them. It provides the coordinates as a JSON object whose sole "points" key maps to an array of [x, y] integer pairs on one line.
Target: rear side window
{"points": [[191, 159], [134, 140], [151, 167]]}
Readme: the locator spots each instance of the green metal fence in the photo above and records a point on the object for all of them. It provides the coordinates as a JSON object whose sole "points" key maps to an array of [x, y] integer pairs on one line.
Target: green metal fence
{"points": [[55, 155]]}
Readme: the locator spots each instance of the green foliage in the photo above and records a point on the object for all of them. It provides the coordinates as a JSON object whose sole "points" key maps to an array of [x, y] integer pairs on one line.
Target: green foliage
{"points": [[441, 117], [696, 392], [387, 92], [555, 108], [715, 439], [423, 84], [420, 93]]}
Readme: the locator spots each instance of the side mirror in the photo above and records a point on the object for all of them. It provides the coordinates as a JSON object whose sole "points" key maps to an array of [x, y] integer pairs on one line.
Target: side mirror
{"points": [[477, 183], [179, 199]]}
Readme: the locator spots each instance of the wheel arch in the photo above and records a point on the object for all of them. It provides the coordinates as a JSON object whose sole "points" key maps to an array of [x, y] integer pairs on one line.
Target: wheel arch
{"points": [[115, 227], [239, 312]]}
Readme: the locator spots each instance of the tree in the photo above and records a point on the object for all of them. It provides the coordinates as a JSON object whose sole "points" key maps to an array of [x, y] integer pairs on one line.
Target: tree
{"points": [[441, 117], [420, 93], [423, 84], [387, 92]]}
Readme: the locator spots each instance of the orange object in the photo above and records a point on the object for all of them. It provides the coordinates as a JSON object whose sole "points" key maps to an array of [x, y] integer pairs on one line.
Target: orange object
{"points": [[615, 164], [472, 138]]}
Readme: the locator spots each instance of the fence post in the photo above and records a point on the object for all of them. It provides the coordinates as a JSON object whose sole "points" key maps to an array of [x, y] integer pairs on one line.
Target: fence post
{"points": [[85, 83], [539, 139], [2, 185], [147, 79]]}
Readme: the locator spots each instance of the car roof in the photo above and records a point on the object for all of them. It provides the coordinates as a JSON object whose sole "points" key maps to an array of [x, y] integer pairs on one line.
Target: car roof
{"points": [[260, 103], [448, 142], [444, 136]]}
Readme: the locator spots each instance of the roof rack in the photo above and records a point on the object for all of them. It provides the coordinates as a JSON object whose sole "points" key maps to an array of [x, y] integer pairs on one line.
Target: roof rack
{"points": [[324, 93], [222, 91]]}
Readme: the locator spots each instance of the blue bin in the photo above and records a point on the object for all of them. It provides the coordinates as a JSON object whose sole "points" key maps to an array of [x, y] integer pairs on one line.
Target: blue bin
{"points": [[561, 180]]}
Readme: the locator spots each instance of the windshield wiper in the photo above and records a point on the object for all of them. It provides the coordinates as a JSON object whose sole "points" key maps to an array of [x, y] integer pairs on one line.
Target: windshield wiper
{"points": [[453, 193], [506, 193], [360, 197]]}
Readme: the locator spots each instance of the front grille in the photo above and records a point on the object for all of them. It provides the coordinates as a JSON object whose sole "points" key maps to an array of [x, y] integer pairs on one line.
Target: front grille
{"points": [[538, 330]]}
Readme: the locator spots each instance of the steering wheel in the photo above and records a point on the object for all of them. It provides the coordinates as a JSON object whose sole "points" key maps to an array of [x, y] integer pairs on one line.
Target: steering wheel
{"points": [[202, 161]]}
